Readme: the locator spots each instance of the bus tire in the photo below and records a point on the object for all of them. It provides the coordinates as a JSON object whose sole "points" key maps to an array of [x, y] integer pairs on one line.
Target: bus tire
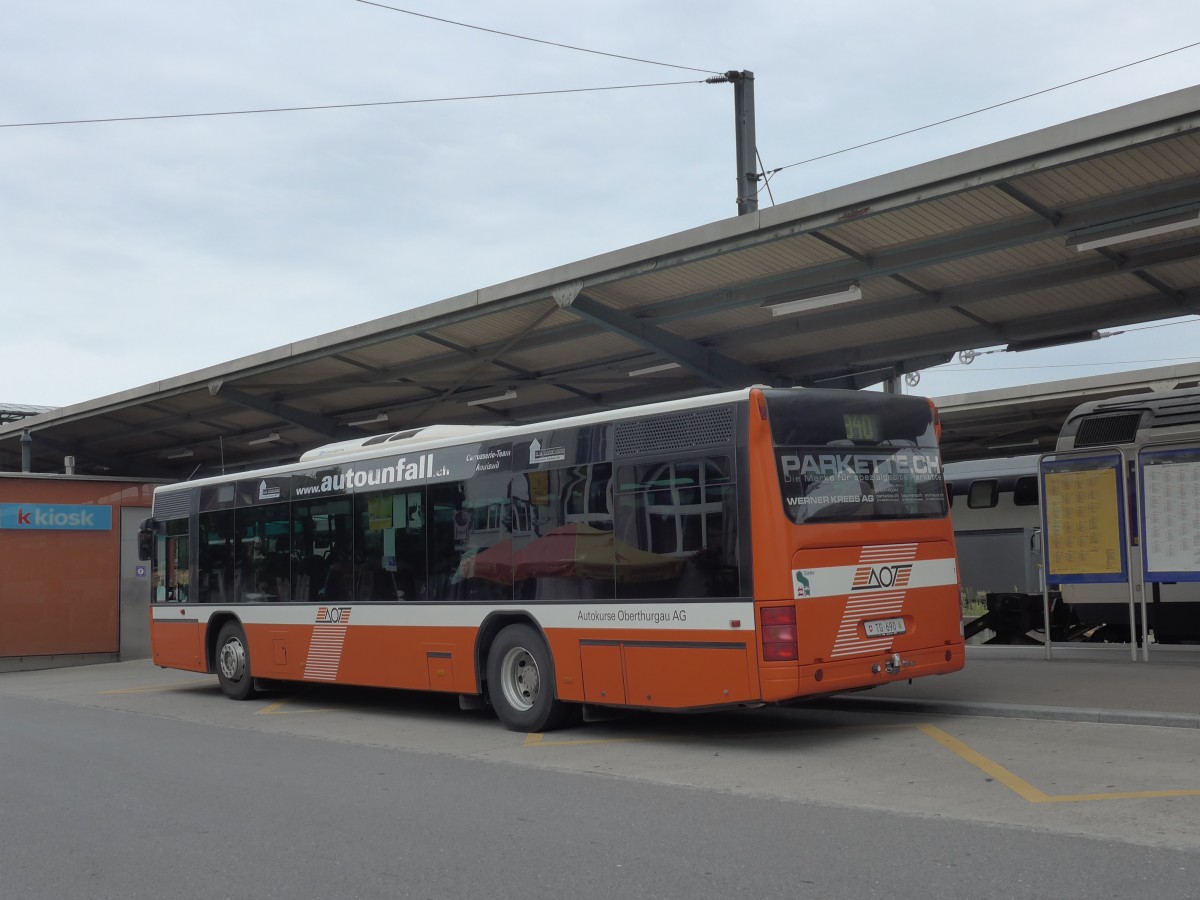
{"points": [[233, 662], [521, 681]]}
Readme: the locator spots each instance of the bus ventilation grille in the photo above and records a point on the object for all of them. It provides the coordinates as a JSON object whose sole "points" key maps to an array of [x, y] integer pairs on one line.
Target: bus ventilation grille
{"points": [[1098, 431], [675, 431], [172, 506]]}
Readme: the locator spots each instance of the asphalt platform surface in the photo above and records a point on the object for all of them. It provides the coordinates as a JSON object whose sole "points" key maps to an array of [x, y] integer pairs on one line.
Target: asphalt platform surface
{"points": [[1102, 684]]}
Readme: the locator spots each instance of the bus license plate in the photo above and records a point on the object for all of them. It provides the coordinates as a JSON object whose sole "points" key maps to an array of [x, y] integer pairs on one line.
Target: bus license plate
{"points": [[884, 627]]}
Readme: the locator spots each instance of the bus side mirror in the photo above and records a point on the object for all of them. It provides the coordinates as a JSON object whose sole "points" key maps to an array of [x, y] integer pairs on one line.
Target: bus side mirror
{"points": [[146, 540]]}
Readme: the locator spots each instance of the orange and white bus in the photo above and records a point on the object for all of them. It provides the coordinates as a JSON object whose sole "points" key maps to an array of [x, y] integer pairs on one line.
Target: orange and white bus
{"points": [[747, 548]]}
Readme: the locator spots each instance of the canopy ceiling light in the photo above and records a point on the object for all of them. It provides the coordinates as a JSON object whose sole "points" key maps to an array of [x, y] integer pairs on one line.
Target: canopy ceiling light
{"points": [[179, 454], [1015, 445], [510, 394], [816, 301], [661, 367], [269, 439], [378, 417], [1132, 229]]}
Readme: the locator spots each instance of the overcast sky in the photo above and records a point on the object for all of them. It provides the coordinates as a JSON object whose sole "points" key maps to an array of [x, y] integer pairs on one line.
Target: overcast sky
{"points": [[140, 250]]}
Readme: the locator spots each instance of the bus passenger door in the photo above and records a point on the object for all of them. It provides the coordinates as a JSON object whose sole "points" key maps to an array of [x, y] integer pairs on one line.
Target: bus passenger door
{"points": [[176, 633]]}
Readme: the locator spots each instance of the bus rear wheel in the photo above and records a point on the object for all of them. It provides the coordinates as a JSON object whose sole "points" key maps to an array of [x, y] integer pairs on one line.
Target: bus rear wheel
{"points": [[521, 681], [233, 662]]}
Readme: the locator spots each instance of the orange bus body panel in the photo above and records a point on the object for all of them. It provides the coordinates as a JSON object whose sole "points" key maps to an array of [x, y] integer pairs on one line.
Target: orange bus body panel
{"points": [[865, 570], [694, 669], [412, 658], [178, 642]]}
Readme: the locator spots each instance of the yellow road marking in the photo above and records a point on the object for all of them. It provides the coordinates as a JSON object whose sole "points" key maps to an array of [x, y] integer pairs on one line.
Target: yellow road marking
{"points": [[989, 767], [276, 709], [160, 687], [539, 740], [1026, 790]]}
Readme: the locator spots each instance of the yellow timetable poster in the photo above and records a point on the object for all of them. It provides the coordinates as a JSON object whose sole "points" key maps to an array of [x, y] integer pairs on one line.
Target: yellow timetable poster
{"points": [[1083, 523]]}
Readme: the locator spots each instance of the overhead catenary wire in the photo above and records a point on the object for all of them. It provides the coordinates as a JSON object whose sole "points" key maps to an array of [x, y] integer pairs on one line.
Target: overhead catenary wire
{"points": [[284, 109], [521, 37], [963, 369], [968, 367], [767, 173]]}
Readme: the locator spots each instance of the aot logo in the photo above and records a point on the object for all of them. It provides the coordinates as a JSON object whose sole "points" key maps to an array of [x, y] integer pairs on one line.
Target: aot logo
{"points": [[881, 578], [55, 517], [333, 615]]}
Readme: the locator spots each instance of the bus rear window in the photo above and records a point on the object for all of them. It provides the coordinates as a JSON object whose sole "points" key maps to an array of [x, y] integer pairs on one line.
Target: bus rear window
{"points": [[856, 456]]}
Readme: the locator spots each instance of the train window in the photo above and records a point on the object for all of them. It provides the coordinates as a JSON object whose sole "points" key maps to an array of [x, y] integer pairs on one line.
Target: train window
{"points": [[983, 494], [1025, 491]]}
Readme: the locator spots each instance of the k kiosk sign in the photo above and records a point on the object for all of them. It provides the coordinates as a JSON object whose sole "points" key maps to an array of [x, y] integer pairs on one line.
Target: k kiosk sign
{"points": [[55, 517]]}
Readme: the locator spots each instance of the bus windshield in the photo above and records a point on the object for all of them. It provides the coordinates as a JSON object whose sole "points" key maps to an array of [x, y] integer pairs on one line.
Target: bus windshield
{"points": [[866, 457]]}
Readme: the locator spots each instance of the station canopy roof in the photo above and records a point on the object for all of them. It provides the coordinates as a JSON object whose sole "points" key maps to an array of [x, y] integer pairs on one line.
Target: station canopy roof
{"points": [[1033, 241], [1025, 420]]}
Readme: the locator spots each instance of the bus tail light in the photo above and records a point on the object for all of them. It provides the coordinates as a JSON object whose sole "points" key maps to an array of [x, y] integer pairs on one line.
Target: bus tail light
{"points": [[778, 633]]}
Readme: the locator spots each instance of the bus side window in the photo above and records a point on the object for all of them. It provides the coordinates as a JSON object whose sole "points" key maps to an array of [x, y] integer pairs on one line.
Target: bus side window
{"points": [[216, 556], [679, 522], [469, 528], [563, 534], [171, 569], [390, 546], [983, 494]]}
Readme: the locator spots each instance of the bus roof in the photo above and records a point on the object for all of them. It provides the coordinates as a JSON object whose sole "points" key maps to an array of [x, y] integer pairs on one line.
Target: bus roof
{"points": [[438, 436], [421, 442]]}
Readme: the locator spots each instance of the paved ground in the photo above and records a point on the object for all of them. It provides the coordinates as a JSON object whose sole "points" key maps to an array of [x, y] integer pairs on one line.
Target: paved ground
{"points": [[1013, 741], [1082, 685]]}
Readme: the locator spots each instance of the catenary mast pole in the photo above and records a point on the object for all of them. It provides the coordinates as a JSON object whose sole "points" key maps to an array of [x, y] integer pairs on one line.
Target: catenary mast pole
{"points": [[747, 148]]}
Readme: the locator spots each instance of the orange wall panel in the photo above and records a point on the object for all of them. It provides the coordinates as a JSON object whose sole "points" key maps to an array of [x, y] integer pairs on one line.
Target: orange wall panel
{"points": [[60, 590]]}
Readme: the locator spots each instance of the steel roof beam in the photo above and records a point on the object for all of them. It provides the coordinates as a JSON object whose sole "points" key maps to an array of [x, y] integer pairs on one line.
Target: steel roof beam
{"points": [[961, 297], [720, 370], [943, 249], [1126, 311], [322, 425], [492, 356]]}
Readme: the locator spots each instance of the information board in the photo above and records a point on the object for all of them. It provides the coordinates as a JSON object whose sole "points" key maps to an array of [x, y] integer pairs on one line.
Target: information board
{"points": [[1170, 513], [1083, 519]]}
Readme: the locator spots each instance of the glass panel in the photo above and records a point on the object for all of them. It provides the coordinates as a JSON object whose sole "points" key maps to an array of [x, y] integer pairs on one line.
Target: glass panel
{"points": [[676, 530], [323, 550], [562, 534], [263, 554], [390, 542], [845, 456], [215, 567], [470, 540], [983, 494]]}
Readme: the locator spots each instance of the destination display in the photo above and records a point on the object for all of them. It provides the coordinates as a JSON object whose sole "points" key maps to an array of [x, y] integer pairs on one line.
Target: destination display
{"points": [[867, 483]]}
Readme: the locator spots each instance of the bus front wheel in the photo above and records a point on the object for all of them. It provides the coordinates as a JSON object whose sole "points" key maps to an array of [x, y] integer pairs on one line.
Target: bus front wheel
{"points": [[521, 681], [233, 662]]}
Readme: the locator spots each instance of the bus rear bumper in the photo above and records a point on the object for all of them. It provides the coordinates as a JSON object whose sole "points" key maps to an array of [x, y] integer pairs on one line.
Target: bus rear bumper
{"points": [[860, 672]]}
